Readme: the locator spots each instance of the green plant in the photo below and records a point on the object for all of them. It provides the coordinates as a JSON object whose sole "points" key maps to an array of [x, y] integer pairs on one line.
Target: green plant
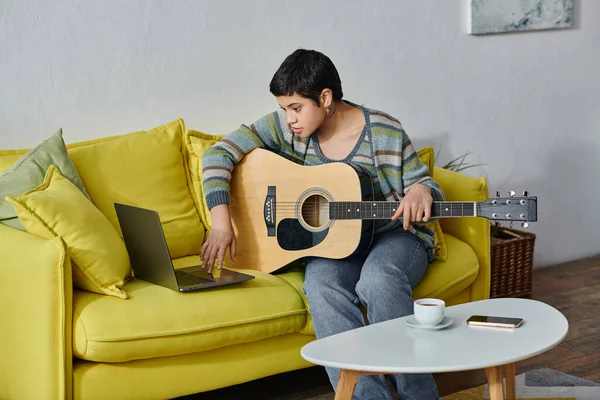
{"points": [[458, 164]]}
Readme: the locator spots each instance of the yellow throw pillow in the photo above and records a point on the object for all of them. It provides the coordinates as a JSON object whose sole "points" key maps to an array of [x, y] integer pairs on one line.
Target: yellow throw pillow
{"points": [[427, 157], [197, 143], [145, 169], [59, 208]]}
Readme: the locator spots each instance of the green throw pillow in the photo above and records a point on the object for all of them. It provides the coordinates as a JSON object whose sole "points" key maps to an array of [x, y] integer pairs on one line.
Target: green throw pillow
{"points": [[28, 172]]}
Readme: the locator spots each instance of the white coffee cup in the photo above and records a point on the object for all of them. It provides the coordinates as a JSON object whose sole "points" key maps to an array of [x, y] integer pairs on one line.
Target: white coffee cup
{"points": [[429, 311]]}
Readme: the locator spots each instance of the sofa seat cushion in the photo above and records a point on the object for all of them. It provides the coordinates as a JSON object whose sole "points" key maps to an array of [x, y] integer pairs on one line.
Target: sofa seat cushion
{"points": [[446, 279], [159, 322], [295, 278]]}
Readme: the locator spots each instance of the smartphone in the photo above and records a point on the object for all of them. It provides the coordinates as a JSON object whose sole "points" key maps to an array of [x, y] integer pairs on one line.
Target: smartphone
{"points": [[500, 322]]}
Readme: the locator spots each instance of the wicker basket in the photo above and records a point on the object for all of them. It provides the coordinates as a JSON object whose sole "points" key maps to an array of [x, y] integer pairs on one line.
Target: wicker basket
{"points": [[512, 263]]}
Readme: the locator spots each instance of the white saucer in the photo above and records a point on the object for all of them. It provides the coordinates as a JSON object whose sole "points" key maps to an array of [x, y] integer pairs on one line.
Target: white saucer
{"points": [[412, 321]]}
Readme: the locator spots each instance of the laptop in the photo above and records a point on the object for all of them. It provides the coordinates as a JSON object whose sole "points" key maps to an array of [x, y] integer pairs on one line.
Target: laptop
{"points": [[150, 258]]}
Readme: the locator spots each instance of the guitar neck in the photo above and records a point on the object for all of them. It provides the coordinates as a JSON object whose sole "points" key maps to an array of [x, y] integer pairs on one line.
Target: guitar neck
{"points": [[386, 209]]}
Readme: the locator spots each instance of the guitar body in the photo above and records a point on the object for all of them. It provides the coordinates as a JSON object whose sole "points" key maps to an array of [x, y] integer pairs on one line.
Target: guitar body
{"points": [[280, 211]]}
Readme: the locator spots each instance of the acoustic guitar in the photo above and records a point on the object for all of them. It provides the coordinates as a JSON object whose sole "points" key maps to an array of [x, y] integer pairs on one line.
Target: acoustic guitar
{"points": [[283, 211]]}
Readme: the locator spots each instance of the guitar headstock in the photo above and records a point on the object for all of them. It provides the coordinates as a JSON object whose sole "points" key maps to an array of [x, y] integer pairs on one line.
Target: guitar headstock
{"points": [[522, 209]]}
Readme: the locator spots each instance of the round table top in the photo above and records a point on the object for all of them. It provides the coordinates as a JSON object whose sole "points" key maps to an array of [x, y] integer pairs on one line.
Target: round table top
{"points": [[394, 347]]}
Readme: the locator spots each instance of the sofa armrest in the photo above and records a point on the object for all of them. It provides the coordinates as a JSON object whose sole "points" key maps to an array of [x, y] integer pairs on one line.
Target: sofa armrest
{"points": [[474, 231], [36, 313]]}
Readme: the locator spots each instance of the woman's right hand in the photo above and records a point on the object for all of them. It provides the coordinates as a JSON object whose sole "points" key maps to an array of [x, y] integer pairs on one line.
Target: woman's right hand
{"points": [[220, 238]]}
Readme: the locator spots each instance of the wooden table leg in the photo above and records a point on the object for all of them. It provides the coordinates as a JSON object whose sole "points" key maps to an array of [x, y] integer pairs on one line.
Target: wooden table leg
{"points": [[346, 384], [495, 382], [511, 389]]}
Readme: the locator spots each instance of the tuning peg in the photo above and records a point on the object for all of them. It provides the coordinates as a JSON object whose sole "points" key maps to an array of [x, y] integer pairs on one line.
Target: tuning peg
{"points": [[510, 224], [524, 224], [511, 193], [525, 193], [497, 224], [497, 193]]}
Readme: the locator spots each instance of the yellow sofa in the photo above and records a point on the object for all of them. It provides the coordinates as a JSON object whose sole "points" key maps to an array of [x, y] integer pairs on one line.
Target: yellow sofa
{"points": [[58, 341]]}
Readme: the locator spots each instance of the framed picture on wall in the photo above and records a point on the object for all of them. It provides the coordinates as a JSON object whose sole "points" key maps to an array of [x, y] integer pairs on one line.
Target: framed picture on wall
{"points": [[496, 16]]}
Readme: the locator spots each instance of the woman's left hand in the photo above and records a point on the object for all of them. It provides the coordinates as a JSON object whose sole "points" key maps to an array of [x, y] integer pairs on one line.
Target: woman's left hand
{"points": [[415, 206]]}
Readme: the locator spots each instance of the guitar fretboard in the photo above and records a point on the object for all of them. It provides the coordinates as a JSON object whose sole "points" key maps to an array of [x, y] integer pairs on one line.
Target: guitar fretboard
{"points": [[385, 209]]}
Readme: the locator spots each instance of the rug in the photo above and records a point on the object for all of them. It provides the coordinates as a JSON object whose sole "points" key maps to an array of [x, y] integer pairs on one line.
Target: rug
{"points": [[540, 384]]}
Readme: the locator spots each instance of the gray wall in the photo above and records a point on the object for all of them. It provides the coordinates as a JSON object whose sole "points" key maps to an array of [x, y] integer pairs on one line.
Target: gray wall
{"points": [[527, 104]]}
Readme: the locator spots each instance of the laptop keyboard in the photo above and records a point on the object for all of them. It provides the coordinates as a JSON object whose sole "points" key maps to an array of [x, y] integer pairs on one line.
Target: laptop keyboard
{"points": [[185, 279]]}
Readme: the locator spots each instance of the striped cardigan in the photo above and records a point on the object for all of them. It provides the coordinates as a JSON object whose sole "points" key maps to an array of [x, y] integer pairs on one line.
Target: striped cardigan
{"points": [[383, 149]]}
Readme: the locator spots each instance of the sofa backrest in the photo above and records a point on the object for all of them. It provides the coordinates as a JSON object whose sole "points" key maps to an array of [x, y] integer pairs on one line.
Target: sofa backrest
{"points": [[146, 169]]}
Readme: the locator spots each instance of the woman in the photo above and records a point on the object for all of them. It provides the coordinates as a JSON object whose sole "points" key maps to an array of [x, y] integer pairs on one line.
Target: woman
{"points": [[314, 126]]}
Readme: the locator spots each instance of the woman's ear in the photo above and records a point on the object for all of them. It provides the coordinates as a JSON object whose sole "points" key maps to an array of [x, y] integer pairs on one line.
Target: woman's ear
{"points": [[326, 97]]}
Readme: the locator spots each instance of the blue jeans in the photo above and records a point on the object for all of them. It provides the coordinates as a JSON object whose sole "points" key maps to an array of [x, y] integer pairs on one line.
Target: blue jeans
{"points": [[382, 281]]}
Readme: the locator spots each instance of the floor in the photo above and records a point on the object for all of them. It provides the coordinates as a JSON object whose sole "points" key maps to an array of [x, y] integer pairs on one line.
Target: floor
{"points": [[573, 288]]}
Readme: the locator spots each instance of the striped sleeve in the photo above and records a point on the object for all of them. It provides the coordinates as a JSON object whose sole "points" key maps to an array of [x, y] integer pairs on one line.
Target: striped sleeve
{"points": [[219, 160], [397, 159], [414, 171]]}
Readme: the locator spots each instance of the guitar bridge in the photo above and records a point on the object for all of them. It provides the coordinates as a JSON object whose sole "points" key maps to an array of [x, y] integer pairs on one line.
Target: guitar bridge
{"points": [[269, 210]]}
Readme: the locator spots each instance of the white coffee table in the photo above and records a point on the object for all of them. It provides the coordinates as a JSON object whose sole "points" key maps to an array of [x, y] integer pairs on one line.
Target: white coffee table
{"points": [[393, 347]]}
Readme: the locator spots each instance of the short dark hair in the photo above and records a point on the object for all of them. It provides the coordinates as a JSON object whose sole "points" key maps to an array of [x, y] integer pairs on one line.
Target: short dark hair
{"points": [[306, 73]]}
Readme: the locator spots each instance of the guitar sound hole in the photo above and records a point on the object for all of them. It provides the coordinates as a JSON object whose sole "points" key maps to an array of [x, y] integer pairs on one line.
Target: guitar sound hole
{"points": [[315, 211]]}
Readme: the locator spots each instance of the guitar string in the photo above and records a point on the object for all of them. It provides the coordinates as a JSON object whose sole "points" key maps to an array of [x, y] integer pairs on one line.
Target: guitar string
{"points": [[285, 210], [467, 205], [366, 208], [363, 209], [435, 203], [470, 203], [338, 212], [382, 217], [384, 206]]}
